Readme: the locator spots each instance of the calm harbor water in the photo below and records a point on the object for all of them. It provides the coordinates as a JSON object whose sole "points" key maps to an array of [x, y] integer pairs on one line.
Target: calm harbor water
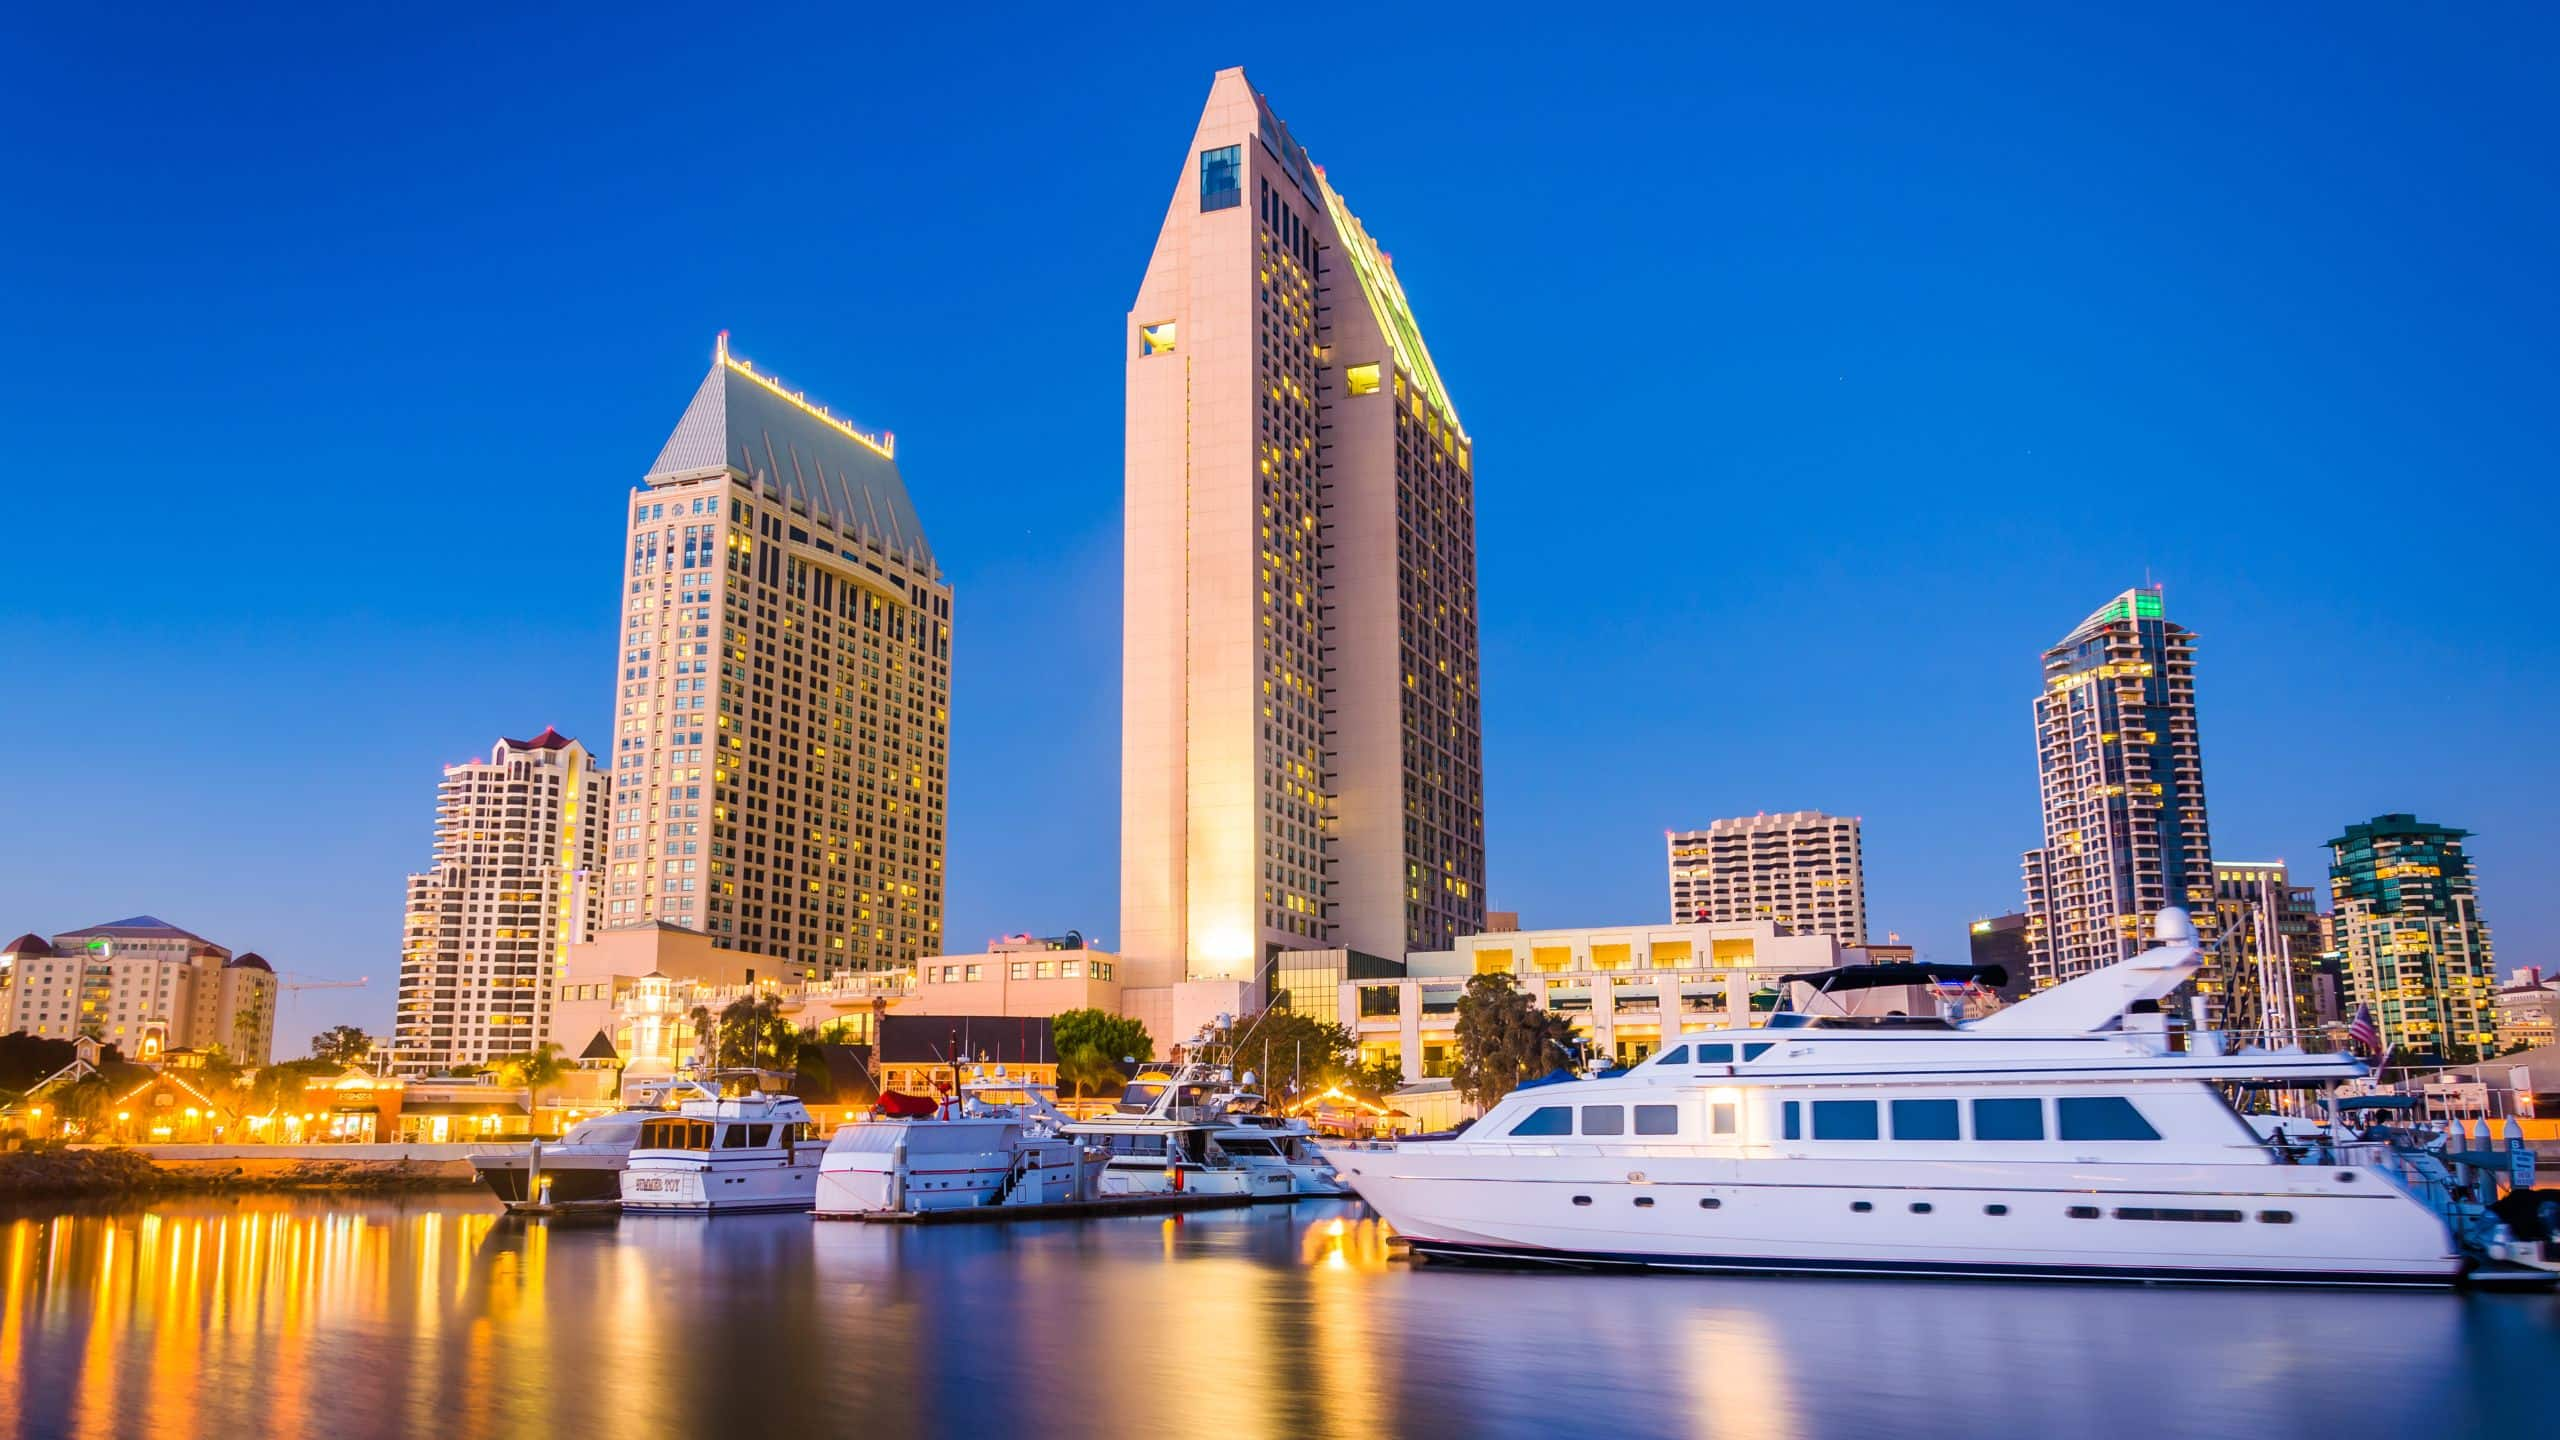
{"points": [[273, 1316]]}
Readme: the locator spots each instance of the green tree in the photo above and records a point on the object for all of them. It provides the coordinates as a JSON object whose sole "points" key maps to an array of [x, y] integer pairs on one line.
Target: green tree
{"points": [[1117, 1036], [752, 1033], [89, 1100], [536, 1070], [1088, 1069], [1504, 1039], [1295, 1054], [342, 1045], [705, 1025], [280, 1086]]}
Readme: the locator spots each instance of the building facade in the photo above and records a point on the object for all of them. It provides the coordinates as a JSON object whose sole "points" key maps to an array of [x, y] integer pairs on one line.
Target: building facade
{"points": [[2528, 1012], [2120, 770], [517, 880], [141, 985], [782, 711], [1302, 759], [2407, 922], [1627, 989], [1803, 871], [2263, 979]]}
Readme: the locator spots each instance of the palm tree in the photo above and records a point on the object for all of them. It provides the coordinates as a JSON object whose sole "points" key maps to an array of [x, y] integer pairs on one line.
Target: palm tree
{"points": [[537, 1071], [703, 1025]]}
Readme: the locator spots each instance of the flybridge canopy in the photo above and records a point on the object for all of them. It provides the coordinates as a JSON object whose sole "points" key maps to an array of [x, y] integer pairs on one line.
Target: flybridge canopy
{"points": [[1917, 972], [2099, 999]]}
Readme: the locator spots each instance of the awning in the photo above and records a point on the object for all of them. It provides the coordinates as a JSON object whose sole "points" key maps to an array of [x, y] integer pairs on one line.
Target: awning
{"points": [[2378, 1102], [458, 1107]]}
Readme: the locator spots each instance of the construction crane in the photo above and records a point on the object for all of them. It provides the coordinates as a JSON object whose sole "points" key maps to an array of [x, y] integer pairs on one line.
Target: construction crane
{"points": [[292, 982]]}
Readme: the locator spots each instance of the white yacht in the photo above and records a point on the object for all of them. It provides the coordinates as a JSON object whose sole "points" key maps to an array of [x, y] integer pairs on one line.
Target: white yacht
{"points": [[1163, 1139], [582, 1168], [749, 1152], [997, 1144], [2062, 1137], [1257, 1138]]}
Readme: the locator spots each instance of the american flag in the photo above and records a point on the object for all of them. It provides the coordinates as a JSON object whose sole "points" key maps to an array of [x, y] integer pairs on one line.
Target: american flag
{"points": [[2360, 1030]]}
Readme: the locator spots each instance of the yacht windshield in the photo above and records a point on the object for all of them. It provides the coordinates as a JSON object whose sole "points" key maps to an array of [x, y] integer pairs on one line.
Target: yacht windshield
{"points": [[1139, 1099]]}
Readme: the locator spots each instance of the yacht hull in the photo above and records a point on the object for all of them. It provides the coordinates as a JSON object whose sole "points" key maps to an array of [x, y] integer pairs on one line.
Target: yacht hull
{"points": [[2202, 1223], [720, 1189], [563, 1183]]}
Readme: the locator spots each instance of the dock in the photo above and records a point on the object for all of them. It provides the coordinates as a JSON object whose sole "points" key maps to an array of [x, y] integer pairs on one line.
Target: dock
{"points": [[1052, 1210]]}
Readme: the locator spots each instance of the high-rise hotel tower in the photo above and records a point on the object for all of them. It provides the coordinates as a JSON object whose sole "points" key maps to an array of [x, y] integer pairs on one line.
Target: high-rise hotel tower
{"points": [[2122, 777], [1301, 754], [783, 702]]}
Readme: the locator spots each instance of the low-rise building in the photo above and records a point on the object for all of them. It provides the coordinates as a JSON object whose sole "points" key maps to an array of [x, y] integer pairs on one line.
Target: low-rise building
{"points": [[2528, 1011], [1627, 989]]}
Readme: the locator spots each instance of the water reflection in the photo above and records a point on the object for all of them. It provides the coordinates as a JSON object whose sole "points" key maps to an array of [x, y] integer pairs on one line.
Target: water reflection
{"points": [[362, 1318]]}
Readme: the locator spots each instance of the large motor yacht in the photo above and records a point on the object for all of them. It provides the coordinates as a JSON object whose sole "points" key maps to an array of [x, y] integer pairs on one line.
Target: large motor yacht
{"points": [[749, 1152], [583, 1167], [2064, 1137]]}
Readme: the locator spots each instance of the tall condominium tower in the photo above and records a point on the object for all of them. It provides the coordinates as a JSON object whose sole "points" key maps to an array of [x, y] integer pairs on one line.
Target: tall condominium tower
{"points": [[783, 707], [1301, 754], [519, 852], [2122, 777], [2264, 980], [1804, 871], [2406, 914]]}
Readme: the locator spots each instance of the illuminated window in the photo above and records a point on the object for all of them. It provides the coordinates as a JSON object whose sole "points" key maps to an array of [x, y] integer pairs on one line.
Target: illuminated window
{"points": [[1362, 379], [1156, 339], [1222, 178]]}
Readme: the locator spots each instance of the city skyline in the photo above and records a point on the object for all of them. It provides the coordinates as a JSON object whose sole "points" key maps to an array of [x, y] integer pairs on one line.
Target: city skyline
{"points": [[1935, 602]]}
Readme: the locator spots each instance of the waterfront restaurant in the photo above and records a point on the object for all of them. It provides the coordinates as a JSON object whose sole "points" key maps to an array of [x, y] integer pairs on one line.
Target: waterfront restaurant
{"points": [[357, 1106]]}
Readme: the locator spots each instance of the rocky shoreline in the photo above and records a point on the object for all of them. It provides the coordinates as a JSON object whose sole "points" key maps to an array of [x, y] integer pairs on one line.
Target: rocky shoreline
{"points": [[78, 1174]]}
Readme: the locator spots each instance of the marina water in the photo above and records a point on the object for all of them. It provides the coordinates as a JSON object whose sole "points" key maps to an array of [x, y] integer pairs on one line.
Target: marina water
{"points": [[434, 1316]]}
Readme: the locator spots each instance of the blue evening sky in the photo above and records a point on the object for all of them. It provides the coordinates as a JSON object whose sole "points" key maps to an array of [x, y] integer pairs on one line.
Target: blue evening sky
{"points": [[1823, 367]]}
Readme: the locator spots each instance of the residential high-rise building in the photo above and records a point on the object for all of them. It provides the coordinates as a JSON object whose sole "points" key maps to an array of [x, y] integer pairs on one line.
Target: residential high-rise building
{"points": [[1301, 748], [2122, 776], [1803, 871], [782, 710], [2406, 915], [2002, 940], [141, 985], [2263, 980], [518, 878]]}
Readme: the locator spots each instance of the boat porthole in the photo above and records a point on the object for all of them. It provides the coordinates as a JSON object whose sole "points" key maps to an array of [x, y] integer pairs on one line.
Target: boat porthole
{"points": [[2275, 1217], [1995, 1209], [2346, 1177], [1581, 1199], [1710, 1203], [1921, 1207], [2084, 1212], [1860, 1207], [1644, 1202]]}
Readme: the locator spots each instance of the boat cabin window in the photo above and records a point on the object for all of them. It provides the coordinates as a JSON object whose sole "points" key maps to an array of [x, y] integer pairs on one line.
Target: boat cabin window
{"points": [[1844, 1120], [1794, 1120], [1238, 1145], [1720, 1117], [2101, 1117], [1657, 1119], [1755, 1051], [1546, 1120], [1139, 1099], [1676, 1055], [2008, 1119], [1604, 1120], [1715, 1054], [733, 1137], [1924, 1120], [675, 1134]]}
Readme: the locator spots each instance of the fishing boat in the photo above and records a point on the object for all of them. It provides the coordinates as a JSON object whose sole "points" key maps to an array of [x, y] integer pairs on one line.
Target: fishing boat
{"points": [[724, 1153], [2063, 1137]]}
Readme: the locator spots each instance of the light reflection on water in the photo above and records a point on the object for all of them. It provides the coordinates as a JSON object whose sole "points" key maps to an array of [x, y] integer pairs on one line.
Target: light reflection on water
{"points": [[436, 1317]]}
